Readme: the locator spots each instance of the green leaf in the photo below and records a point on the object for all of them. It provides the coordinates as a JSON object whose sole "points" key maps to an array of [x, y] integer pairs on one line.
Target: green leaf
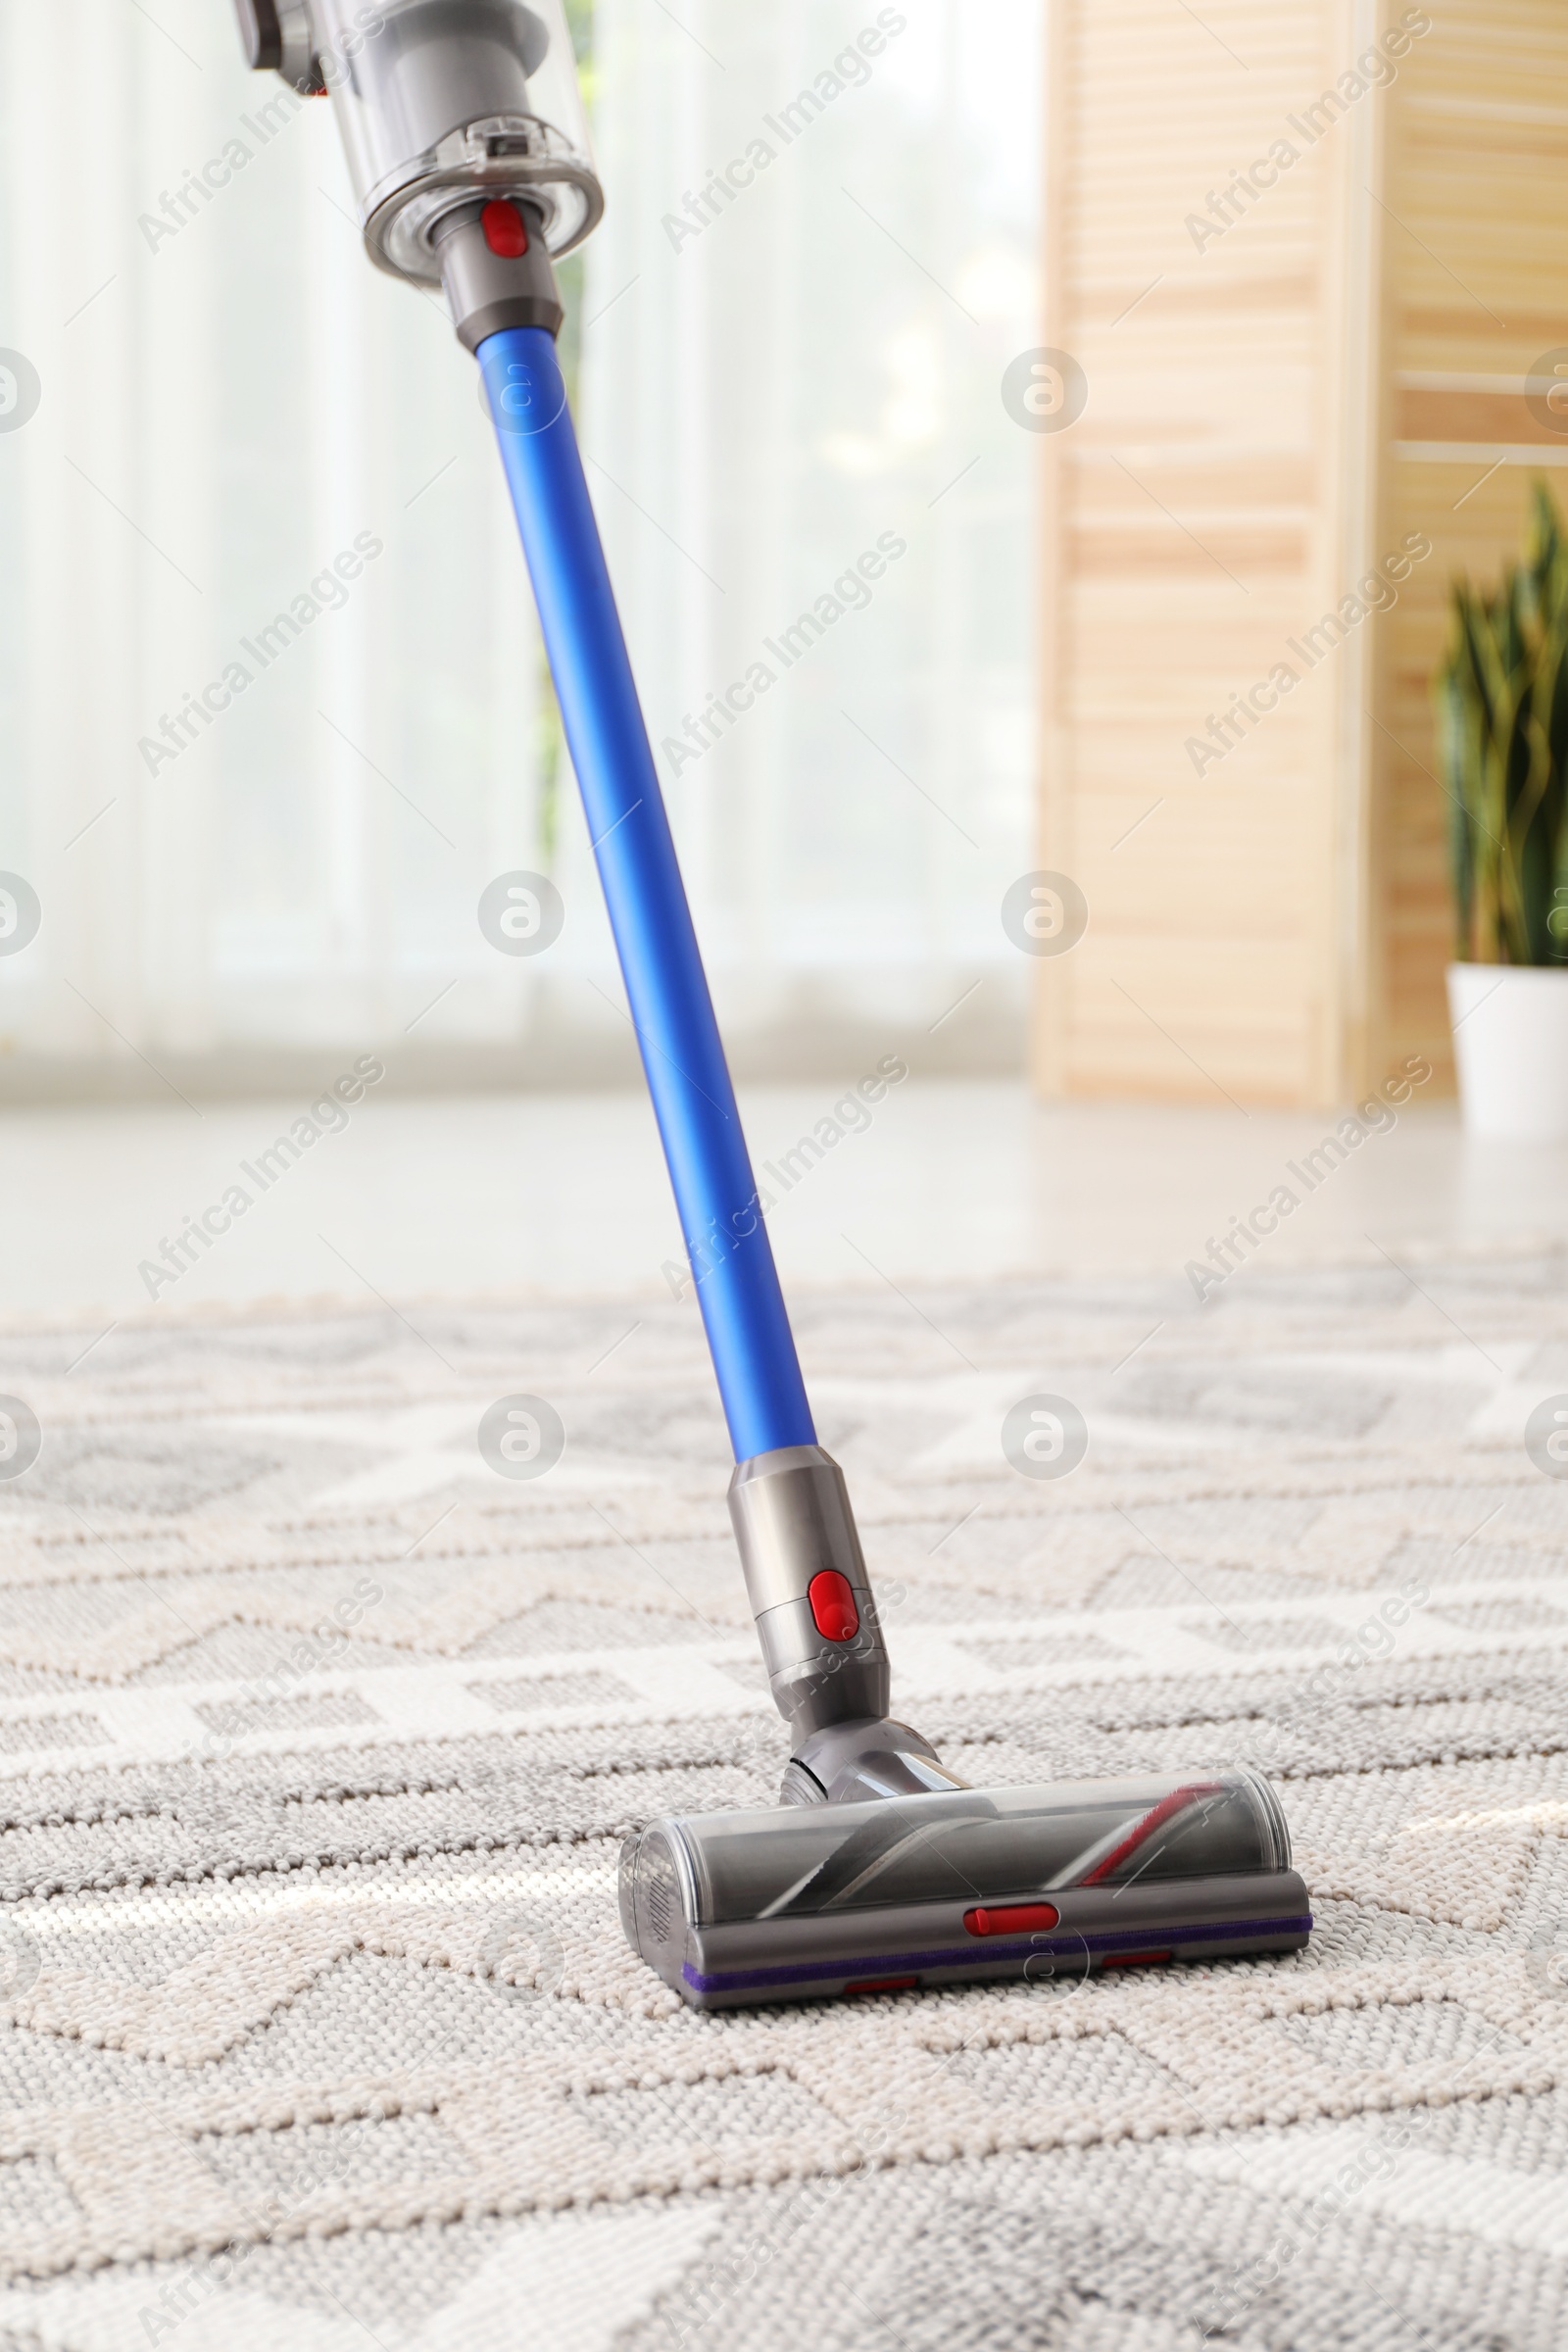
{"points": [[1501, 710]]}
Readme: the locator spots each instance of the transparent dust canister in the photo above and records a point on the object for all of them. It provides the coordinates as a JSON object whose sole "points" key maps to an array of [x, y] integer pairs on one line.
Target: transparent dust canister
{"points": [[443, 100]]}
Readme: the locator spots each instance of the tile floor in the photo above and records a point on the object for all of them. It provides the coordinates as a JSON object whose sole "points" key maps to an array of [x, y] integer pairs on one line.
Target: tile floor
{"points": [[566, 1193]]}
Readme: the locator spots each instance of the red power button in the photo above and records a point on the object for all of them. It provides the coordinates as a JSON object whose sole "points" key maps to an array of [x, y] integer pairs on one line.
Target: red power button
{"points": [[503, 229], [833, 1606]]}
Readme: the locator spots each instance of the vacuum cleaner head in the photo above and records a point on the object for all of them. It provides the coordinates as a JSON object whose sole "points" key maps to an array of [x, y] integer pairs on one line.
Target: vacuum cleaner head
{"points": [[1045, 1886]]}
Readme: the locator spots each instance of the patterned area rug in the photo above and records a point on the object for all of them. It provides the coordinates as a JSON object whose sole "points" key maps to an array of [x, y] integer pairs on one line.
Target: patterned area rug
{"points": [[317, 1739]]}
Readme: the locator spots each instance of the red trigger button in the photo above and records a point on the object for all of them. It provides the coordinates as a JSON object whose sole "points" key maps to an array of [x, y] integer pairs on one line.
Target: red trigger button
{"points": [[833, 1606], [504, 231]]}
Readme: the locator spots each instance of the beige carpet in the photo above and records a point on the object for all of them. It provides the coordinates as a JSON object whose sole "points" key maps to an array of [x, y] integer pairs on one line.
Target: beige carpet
{"points": [[317, 1739]]}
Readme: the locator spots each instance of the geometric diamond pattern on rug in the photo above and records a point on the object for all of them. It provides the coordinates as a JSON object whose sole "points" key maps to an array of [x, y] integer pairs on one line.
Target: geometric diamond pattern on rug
{"points": [[317, 1740]]}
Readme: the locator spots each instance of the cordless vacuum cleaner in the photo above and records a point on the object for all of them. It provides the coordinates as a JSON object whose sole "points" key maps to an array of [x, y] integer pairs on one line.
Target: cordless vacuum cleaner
{"points": [[880, 1869]]}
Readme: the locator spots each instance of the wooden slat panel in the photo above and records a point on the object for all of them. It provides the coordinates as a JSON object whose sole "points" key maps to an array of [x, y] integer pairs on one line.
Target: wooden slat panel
{"points": [[1223, 488], [1477, 262], [1193, 533], [1499, 417]]}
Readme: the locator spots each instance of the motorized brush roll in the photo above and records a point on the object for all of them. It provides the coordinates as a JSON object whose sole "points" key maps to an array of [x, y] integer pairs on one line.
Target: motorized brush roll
{"points": [[1042, 1884]]}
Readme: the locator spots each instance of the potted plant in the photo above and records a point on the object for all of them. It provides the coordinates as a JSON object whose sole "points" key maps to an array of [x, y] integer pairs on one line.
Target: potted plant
{"points": [[1502, 699]]}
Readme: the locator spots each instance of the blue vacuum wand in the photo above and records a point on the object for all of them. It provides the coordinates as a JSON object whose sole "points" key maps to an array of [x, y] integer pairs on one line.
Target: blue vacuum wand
{"points": [[468, 147]]}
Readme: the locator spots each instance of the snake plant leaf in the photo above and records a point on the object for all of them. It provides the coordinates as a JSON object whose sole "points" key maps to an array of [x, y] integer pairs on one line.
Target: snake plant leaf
{"points": [[1501, 708]]}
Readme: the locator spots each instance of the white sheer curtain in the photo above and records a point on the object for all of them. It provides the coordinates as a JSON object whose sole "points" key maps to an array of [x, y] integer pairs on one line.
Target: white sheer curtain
{"points": [[234, 405]]}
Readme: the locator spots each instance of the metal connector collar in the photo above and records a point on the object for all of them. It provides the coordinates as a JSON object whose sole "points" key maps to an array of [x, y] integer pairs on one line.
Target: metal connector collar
{"points": [[810, 1592], [486, 288]]}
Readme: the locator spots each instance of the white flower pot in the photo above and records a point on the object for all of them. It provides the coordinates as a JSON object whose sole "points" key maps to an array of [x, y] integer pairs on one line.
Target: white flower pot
{"points": [[1510, 1044]]}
